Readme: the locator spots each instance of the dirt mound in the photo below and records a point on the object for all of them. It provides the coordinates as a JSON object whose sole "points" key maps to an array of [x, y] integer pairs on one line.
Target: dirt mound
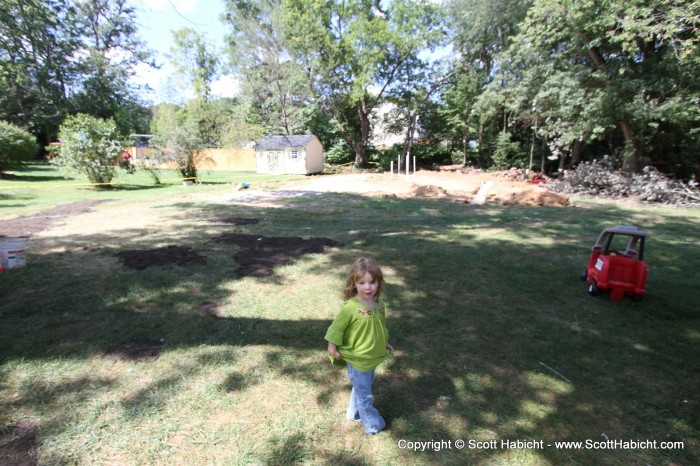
{"points": [[260, 254], [18, 446], [535, 197], [169, 255], [428, 191]]}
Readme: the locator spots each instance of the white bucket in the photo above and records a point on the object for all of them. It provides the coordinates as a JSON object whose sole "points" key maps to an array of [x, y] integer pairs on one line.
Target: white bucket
{"points": [[12, 252]]}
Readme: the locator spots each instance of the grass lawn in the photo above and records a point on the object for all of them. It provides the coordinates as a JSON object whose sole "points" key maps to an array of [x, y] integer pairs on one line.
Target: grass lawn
{"points": [[497, 339]]}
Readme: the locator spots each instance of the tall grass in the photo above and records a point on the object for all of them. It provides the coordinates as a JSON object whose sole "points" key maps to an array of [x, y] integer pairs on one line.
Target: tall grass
{"points": [[496, 337]]}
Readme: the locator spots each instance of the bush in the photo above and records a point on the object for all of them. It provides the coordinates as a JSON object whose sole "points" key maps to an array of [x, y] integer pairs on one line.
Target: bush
{"points": [[16, 145], [181, 146], [340, 153], [90, 146]]}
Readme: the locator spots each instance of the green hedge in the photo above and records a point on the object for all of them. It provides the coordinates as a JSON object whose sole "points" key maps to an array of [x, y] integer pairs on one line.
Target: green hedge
{"points": [[16, 145]]}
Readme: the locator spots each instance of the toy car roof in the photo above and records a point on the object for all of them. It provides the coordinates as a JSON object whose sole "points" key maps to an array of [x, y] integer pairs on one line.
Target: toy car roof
{"points": [[626, 230]]}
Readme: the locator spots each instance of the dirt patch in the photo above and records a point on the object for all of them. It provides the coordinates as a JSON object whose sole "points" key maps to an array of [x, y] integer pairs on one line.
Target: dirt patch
{"points": [[18, 446], [28, 226], [260, 254], [238, 221], [458, 185], [168, 255], [536, 198], [211, 310], [137, 350], [428, 191]]}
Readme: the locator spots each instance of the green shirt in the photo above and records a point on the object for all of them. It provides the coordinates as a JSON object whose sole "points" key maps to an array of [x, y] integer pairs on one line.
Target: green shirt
{"points": [[360, 334]]}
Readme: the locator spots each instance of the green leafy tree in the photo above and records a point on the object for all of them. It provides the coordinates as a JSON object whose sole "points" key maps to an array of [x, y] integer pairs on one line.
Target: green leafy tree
{"points": [[353, 53], [90, 146], [111, 51], [195, 60], [38, 43], [482, 30], [628, 67], [273, 80], [16, 145], [177, 139]]}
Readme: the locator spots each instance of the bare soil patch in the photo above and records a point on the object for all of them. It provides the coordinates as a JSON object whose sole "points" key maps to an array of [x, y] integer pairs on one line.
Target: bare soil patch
{"points": [[18, 446], [238, 221], [445, 185], [260, 254], [28, 226], [211, 310], [168, 255], [137, 350]]}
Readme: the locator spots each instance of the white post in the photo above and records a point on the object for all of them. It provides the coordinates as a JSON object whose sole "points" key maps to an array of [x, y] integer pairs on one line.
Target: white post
{"points": [[414, 164], [398, 165], [408, 165], [391, 169]]}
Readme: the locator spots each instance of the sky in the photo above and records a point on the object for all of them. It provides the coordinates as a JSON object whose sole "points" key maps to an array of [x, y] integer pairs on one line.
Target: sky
{"points": [[157, 19]]}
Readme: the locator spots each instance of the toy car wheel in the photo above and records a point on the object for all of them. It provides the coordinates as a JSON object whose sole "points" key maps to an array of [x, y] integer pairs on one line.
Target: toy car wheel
{"points": [[584, 274], [637, 298], [593, 289]]}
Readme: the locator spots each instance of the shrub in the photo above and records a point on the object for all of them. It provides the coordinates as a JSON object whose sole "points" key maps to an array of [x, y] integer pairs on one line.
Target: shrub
{"points": [[16, 145], [181, 146], [340, 153], [90, 146]]}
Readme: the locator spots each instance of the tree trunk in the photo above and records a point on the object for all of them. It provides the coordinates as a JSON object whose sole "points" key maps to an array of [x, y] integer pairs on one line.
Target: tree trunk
{"points": [[360, 147], [630, 163], [543, 159], [532, 152], [408, 139], [576, 153], [562, 162], [479, 151], [360, 151], [465, 148]]}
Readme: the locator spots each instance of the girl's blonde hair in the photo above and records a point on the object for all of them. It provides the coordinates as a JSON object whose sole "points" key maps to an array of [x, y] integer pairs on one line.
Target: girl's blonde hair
{"points": [[358, 270]]}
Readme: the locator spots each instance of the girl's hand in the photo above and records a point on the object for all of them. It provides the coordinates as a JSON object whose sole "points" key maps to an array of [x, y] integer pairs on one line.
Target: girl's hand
{"points": [[390, 348], [333, 350]]}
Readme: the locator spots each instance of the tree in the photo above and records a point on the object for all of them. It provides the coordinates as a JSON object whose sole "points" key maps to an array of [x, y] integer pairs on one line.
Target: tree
{"points": [[37, 46], [111, 51], [177, 139], [482, 30], [625, 65], [67, 56], [16, 145], [353, 52], [90, 146], [273, 80], [195, 60]]}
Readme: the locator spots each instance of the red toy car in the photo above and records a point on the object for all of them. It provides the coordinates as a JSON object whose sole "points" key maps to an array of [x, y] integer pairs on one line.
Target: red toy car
{"points": [[617, 263]]}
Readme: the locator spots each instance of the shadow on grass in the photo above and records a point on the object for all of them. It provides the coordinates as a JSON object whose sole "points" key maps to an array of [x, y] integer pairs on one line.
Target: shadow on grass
{"points": [[496, 337], [32, 178]]}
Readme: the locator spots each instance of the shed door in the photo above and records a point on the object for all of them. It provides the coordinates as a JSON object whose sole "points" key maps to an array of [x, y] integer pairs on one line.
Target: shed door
{"points": [[275, 161]]}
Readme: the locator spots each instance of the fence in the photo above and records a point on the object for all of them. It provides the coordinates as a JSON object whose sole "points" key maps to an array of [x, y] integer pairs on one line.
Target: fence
{"points": [[239, 160]]}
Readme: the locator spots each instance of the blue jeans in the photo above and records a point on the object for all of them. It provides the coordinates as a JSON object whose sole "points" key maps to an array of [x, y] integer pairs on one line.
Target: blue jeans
{"points": [[360, 406]]}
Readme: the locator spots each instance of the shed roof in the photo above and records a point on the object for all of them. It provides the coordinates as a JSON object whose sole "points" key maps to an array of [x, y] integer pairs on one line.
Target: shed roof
{"points": [[279, 141]]}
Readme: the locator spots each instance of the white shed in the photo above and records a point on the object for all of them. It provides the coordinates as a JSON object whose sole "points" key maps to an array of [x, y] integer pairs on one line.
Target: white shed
{"points": [[290, 155]]}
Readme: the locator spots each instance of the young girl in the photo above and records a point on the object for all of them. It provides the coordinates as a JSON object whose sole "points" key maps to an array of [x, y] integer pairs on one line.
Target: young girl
{"points": [[358, 337]]}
